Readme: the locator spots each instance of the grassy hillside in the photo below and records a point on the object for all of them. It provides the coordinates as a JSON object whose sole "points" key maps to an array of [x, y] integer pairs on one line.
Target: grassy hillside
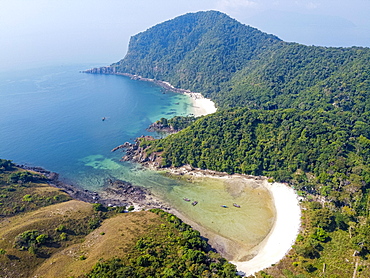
{"points": [[114, 238], [44, 233]]}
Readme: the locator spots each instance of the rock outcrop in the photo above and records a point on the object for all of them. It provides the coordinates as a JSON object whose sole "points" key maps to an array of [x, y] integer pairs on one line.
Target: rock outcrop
{"points": [[115, 192], [102, 70]]}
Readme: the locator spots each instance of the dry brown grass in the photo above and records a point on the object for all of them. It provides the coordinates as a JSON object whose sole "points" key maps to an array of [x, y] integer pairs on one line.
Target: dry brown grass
{"points": [[16, 263], [112, 239]]}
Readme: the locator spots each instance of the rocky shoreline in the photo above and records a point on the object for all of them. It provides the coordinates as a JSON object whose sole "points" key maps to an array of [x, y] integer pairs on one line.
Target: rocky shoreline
{"points": [[201, 105], [115, 192], [135, 153], [163, 84], [158, 127]]}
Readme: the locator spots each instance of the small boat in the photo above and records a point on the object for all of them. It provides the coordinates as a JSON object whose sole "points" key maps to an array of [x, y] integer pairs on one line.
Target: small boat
{"points": [[194, 203], [224, 206], [186, 199], [103, 119], [236, 205]]}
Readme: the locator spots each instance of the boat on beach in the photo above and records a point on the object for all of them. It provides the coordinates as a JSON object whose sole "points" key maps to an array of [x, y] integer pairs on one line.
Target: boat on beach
{"points": [[186, 199], [224, 206], [236, 205]]}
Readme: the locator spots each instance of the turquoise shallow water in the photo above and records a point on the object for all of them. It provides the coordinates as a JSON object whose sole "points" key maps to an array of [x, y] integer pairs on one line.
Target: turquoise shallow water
{"points": [[52, 117]]}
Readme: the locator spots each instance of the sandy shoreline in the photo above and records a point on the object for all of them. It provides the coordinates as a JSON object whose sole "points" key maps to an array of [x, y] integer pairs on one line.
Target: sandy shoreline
{"points": [[271, 250], [201, 106], [283, 234]]}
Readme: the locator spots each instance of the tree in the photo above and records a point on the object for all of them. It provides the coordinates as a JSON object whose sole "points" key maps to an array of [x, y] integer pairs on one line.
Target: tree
{"points": [[30, 240], [6, 165]]}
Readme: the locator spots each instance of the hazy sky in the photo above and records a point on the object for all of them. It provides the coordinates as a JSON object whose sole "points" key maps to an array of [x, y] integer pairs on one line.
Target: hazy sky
{"points": [[59, 32]]}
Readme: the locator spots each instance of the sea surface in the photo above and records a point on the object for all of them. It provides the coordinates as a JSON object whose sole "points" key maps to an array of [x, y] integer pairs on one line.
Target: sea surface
{"points": [[53, 117]]}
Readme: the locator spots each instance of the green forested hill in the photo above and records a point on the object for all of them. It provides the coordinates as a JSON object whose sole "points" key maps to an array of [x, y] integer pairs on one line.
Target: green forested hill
{"points": [[296, 113], [197, 51], [237, 65], [333, 147], [304, 77], [324, 155]]}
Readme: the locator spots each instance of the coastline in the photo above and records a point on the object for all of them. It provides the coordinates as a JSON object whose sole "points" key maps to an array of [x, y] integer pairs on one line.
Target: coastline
{"points": [[201, 106], [273, 247], [115, 192], [279, 240], [271, 250], [283, 234]]}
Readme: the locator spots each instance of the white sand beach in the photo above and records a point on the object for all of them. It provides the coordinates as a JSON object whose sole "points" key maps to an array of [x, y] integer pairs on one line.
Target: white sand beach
{"points": [[201, 105], [279, 240], [283, 234]]}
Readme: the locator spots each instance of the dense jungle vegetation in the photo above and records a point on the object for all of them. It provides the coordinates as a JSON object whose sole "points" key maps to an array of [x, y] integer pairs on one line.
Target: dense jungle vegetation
{"points": [[239, 66], [296, 113], [200, 51]]}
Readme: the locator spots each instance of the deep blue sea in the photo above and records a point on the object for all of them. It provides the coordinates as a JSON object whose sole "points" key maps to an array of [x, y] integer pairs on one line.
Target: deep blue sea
{"points": [[52, 117]]}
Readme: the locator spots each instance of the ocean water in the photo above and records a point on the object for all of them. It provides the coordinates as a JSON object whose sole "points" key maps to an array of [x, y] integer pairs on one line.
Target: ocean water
{"points": [[52, 117]]}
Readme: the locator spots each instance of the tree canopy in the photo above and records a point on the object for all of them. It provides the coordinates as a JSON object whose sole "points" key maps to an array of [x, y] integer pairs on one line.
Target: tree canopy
{"points": [[239, 66]]}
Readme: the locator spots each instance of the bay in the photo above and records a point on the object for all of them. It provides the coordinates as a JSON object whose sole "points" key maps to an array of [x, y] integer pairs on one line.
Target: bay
{"points": [[52, 117]]}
